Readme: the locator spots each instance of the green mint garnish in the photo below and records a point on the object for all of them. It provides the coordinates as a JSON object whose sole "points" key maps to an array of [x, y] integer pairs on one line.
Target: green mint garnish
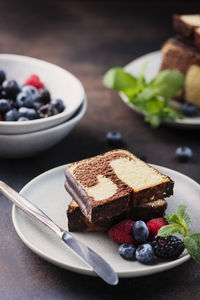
{"points": [[151, 97], [180, 223]]}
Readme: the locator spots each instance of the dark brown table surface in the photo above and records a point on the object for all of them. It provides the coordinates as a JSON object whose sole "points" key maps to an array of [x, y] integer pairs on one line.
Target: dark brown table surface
{"points": [[87, 38]]}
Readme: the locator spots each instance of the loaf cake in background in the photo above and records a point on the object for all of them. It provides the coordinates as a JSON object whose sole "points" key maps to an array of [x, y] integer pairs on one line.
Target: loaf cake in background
{"points": [[112, 183], [179, 56], [197, 38], [186, 25], [78, 222], [182, 53]]}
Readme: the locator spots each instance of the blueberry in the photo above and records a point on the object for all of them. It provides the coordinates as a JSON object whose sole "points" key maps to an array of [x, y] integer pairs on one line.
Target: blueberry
{"points": [[4, 105], [37, 105], [45, 96], [183, 153], [29, 113], [31, 91], [3, 93], [144, 253], [140, 231], [189, 110], [23, 119], [58, 104], [11, 115], [127, 251], [23, 100], [11, 87], [114, 138], [2, 76]]}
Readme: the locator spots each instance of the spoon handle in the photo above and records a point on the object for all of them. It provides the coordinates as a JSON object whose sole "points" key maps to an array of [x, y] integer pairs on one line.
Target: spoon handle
{"points": [[28, 207]]}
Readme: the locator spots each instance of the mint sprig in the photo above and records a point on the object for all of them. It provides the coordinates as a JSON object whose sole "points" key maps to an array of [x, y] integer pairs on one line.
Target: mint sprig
{"points": [[180, 223], [151, 97]]}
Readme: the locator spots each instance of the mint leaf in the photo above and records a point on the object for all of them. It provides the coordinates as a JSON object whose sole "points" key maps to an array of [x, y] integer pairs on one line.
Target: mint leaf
{"points": [[181, 218], [192, 244], [186, 219], [151, 97], [153, 120], [170, 229], [144, 96], [118, 79], [173, 218], [167, 83], [184, 216], [141, 78], [170, 113], [181, 210]]}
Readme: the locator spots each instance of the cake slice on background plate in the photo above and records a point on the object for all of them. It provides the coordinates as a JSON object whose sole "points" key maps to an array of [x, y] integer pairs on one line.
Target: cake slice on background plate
{"points": [[185, 25]]}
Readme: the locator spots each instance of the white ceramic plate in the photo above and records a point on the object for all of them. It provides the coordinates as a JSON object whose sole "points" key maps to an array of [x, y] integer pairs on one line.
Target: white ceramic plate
{"points": [[48, 193], [154, 60]]}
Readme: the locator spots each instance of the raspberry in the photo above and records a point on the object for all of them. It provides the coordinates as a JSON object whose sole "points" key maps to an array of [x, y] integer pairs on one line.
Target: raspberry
{"points": [[167, 247], [154, 225], [122, 233], [34, 80]]}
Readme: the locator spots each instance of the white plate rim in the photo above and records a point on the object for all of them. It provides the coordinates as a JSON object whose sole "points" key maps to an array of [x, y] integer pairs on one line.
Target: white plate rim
{"points": [[189, 123], [87, 270]]}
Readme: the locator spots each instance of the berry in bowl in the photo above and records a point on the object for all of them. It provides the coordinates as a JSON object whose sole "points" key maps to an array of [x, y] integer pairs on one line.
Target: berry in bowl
{"points": [[35, 94], [29, 102]]}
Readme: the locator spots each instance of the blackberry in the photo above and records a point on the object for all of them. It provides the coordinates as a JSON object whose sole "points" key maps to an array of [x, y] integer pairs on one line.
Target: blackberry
{"points": [[45, 96], [167, 247], [47, 110]]}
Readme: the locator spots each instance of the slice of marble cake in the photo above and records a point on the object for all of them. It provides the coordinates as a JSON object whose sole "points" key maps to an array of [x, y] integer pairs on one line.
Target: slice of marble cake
{"points": [[114, 182], [78, 222]]}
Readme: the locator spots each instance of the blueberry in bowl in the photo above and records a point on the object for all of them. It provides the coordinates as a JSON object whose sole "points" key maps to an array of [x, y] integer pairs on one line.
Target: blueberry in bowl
{"points": [[33, 83], [26, 101]]}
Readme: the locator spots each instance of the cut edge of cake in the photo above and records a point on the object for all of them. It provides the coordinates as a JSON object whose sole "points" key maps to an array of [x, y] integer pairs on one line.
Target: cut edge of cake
{"points": [[78, 222]]}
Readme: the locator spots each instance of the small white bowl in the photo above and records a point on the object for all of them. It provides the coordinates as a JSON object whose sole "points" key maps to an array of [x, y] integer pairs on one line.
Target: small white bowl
{"points": [[29, 144], [61, 84]]}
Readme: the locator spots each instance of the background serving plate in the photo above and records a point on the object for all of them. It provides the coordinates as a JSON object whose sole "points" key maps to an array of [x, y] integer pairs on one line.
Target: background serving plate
{"points": [[154, 60], [48, 193]]}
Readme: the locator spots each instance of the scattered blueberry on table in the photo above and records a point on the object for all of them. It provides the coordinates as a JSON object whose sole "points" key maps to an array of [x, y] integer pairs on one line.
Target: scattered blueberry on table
{"points": [[183, 153], [114, 138], [27, 102]]}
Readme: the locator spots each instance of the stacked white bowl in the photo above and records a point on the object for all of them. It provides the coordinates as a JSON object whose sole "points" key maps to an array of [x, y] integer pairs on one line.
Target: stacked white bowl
{"points": [[26, 138]]}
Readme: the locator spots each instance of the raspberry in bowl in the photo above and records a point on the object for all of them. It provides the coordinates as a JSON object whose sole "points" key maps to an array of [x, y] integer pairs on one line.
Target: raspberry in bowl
{"points": [[35, 95]]}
